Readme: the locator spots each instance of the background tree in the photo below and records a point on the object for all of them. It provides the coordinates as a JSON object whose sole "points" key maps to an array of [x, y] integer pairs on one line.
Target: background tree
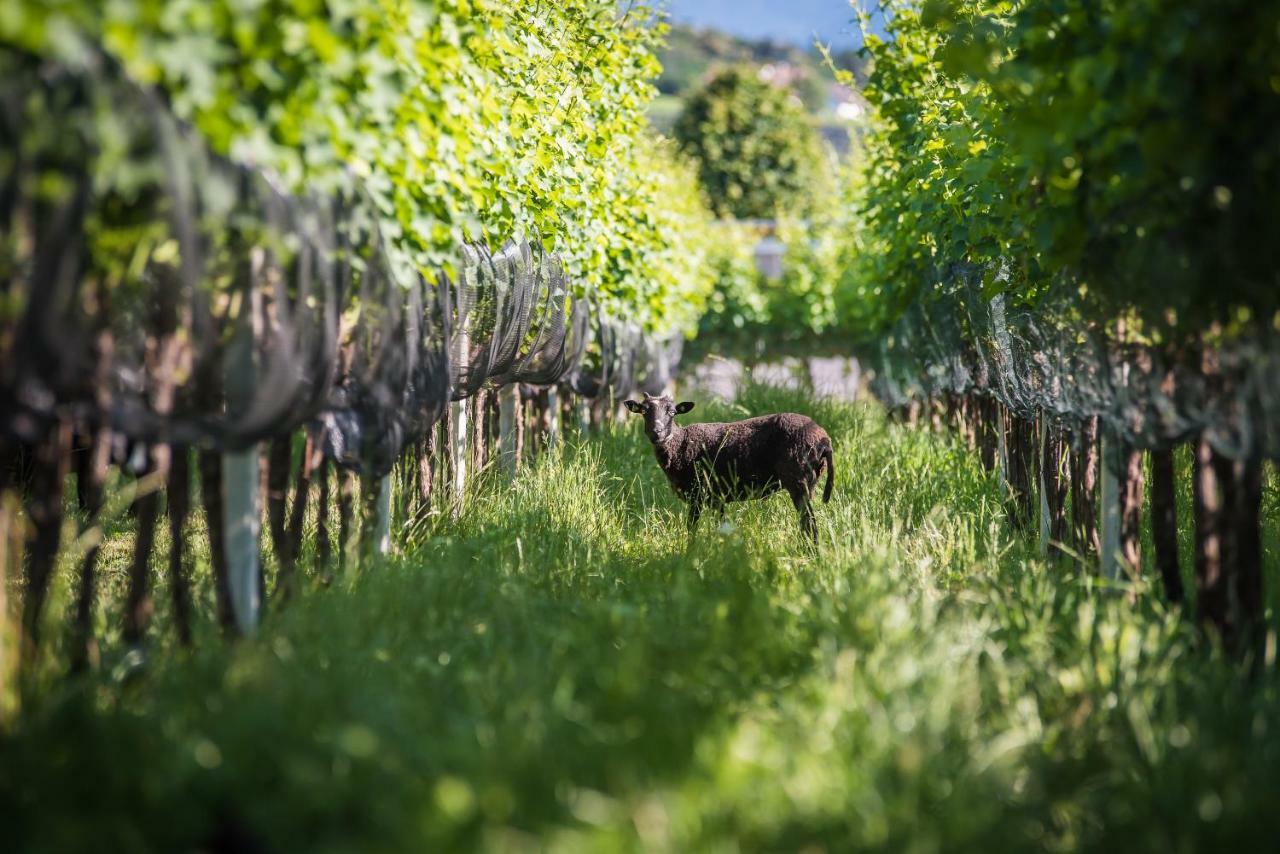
{"points": [[758, 154]]}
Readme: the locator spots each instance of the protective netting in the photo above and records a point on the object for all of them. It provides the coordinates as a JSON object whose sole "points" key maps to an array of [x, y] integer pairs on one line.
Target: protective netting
{"points": [[623, 360], [513, 319], [1051, 358], [172, 296]]}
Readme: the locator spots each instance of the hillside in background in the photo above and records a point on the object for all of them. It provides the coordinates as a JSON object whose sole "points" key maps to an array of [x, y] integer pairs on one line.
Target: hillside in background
{"points": [[692, 53]]}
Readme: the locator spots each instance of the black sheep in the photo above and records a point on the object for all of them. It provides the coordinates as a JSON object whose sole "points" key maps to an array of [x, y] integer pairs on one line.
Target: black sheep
{"points": [[713, 464]]}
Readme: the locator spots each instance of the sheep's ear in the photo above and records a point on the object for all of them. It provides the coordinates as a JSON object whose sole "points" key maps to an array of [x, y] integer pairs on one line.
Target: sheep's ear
{"points": [[633, 406], [682, 408]]}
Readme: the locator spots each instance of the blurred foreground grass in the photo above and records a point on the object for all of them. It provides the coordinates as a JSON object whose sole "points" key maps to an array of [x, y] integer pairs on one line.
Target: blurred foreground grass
{"points": [[563, 669]]}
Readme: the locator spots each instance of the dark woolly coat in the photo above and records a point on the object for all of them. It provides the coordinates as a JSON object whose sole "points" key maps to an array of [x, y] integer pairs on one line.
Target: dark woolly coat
{"points": [[720, 462]]}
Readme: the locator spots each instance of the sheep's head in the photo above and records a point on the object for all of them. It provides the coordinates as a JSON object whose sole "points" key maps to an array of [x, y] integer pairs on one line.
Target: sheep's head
{"points": [[659, 415]]}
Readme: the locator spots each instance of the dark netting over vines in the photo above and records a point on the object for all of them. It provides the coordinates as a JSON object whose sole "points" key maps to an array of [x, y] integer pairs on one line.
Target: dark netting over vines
{"points": [[174, 313], [175, 297], [171, 296], [625, 359], [659, 361], [513, 319], [1050, 358], [610, 364]]}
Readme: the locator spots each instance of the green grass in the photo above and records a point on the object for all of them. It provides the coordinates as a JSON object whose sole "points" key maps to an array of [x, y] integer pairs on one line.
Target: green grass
{"points": [[564, 669]]}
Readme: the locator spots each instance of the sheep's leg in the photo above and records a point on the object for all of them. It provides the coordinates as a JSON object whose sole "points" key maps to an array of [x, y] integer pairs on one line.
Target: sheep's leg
{"points": [[804, 505]]}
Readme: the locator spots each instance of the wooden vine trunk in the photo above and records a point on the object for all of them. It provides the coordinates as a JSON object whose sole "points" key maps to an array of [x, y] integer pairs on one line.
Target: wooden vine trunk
{"points": [[1228, 569], [1164, 524], [1212, 593], [542, 415], [1084, 489], [937, 414], [427, 467], [1021, 453], [1055, 482], [965, 421], [479, 418], [988, 417], [1131, 491]]}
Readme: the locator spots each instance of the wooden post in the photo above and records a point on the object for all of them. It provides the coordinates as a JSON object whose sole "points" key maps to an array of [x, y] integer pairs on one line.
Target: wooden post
{"points": [[508, 429], [458, 454], [375, 518], [241, 470], [382, 517], [553, 417], [242, 526]]}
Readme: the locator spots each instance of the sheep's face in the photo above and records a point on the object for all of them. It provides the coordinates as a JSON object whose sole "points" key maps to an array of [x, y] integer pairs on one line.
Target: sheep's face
{"points": [[659, 415]]}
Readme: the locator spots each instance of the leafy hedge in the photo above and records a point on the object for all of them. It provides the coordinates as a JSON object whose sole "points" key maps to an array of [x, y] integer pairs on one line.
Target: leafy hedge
{"points": [[758, 154], [463, 120], [1131, 146]]}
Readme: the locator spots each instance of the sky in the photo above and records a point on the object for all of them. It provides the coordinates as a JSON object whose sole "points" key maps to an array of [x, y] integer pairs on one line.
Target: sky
{"points": [[784, 20]]}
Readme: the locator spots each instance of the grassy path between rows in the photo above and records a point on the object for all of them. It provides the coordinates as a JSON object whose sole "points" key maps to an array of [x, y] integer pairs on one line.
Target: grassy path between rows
{"points": [[563, 669]]}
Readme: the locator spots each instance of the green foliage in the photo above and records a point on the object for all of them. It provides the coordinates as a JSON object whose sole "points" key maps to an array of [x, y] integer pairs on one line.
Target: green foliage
{"points": [[462, 119], [803, 300], [758, 154], [1130, 147], [562, 670], [738, 301], [801, 305]]}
